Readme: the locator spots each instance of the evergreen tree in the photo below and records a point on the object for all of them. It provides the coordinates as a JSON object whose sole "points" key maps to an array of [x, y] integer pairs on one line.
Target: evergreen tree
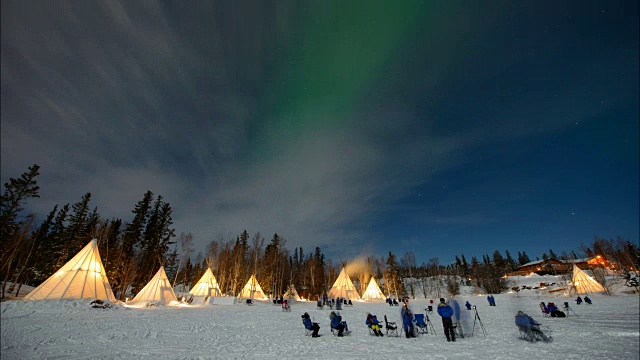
{"points": [[320, 278], [133, 231], [271, 265], [16, 193], [76, 230], [395, 285], [37, 265], [57, 250], [523, 258], [509, 261]]}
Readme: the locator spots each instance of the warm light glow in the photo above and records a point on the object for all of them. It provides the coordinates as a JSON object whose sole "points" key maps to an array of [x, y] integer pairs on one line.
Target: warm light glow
{"points": [[94, 266], [59, 273]]}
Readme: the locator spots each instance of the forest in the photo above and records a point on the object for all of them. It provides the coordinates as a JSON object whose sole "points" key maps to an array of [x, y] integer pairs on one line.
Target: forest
{"points": [[133, 249]]}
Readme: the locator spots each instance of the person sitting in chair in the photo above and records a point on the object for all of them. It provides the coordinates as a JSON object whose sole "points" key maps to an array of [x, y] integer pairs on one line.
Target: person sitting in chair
{"points": [[553, 310], [373, 323], [306, 320], [587, 300], [337, 323], [578, 300], [530, 327]]}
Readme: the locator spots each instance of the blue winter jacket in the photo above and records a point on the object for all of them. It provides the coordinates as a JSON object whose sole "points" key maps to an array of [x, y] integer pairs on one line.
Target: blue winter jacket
{"points": [[335, 321], [307, 323], [445, 310], [407, 317]]}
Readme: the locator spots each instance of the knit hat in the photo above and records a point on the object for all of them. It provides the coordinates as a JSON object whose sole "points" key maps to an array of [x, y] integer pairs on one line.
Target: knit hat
{"points": [[442, 300]]}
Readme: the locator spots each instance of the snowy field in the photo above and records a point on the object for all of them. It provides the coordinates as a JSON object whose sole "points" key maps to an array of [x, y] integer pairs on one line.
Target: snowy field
{"points": [[72, 330]]}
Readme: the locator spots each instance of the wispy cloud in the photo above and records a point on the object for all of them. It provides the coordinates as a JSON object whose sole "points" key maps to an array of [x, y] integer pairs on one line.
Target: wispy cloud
{"points": [[119, 98]]}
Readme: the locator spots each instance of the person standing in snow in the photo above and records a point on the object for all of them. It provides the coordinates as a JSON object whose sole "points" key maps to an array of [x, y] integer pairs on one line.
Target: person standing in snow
{"points": [[407, 321], [446, 312], [578, 300], [468, 305]]}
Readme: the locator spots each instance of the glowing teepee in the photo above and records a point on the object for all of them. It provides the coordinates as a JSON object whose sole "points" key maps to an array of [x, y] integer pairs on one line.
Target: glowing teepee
{"points": [[373, 291], [583, 283], [291, 294], [157, 290], [252, 290], [343, 287], [83, 277], [206, 286]]}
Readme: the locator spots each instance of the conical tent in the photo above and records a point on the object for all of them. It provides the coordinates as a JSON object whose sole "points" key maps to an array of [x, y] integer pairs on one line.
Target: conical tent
{"points": [[82, 277], [291, 294], [583, 283], [206, 286], [343, 287], [158, 289], [252, 290], [373, 291]]}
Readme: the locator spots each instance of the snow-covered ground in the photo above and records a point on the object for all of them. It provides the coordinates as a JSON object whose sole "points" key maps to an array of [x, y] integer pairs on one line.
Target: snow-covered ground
{"points": [[607, 329]]}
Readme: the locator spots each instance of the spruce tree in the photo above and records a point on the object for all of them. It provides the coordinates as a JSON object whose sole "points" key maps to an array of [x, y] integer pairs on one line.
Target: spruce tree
{"points": [[16, 193]]}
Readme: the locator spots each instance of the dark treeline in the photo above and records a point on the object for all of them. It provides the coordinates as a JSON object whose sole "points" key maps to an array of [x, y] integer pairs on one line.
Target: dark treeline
{"points": [[132, 251]]}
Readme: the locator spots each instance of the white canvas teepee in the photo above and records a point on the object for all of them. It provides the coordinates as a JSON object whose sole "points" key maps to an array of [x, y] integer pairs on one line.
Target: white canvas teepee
{"points": [[343, 287], [252, 290], [157, 290], [291, 294], [583, 283], [83, 277], [206, 286], [373, 291]]}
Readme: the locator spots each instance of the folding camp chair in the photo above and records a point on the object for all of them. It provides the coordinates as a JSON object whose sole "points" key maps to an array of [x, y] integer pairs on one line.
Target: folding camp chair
{"points": [[390, 327], [308, 330], [346, 331], [421, 325], [286, 307], [533, 334], [529, 329]]}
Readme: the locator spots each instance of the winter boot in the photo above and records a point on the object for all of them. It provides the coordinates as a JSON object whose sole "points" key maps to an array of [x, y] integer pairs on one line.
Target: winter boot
{"points": [[380, 333]]}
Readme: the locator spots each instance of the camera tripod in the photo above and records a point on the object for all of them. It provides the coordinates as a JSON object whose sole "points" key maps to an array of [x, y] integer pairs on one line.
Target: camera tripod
{"points": [[568, 309], [427, 320], [479, 321]]}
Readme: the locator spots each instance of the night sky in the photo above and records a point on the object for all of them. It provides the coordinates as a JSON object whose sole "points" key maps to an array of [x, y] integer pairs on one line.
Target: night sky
{"points": [[438, 127]]}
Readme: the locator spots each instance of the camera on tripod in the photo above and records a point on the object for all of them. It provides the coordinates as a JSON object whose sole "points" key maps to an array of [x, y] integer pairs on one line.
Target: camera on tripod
{"points": [[473, 307]]}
